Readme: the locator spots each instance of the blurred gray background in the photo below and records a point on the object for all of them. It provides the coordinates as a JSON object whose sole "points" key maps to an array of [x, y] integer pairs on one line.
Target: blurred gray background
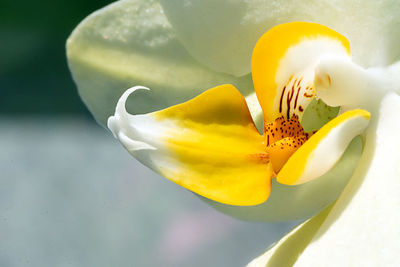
{"points": [[70, 195]]}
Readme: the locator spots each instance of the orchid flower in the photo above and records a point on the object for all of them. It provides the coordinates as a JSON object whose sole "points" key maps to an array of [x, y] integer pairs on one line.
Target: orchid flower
{"points": [[211, 144]]}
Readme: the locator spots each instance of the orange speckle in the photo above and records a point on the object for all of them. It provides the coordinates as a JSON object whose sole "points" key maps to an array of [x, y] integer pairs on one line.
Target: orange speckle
{"points": [[283, 138]]}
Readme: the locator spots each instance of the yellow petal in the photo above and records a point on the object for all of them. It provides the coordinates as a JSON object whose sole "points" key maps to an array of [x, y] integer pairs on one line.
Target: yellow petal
{"points": [[280, 151], [321, 152], [283, 66], [208, 145], [299, 202]]}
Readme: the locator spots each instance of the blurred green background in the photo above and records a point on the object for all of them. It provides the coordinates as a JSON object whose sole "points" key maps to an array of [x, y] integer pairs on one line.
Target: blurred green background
{"points": [[33, 68]]}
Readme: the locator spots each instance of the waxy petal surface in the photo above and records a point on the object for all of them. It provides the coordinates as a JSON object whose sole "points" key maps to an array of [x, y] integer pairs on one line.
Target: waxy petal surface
{"points": [[209, 145], [222, 34], [129, 43]]}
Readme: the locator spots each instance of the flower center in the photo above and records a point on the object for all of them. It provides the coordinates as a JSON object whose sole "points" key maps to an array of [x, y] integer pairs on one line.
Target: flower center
{"points": [[282, 138]]}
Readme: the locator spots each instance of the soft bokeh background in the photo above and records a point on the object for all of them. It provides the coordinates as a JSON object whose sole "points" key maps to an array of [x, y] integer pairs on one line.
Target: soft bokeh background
{"points": [[69, 193]]}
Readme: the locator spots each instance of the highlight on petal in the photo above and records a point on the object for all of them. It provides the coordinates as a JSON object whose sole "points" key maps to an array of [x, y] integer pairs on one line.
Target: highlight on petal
{"points": [[208, 145], [222, 34], [131, 42], [255, 110], [321, 152], [283, 64]]}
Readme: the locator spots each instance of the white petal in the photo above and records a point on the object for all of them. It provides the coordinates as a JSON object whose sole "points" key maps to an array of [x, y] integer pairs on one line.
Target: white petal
{"points": [[362, 227], [132, 43], [285, 251], [223, 33], [255, 110]]}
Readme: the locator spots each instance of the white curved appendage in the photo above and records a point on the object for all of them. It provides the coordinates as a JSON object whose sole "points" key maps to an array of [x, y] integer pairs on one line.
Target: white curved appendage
{"points": [[121, 124], [341, 82]]}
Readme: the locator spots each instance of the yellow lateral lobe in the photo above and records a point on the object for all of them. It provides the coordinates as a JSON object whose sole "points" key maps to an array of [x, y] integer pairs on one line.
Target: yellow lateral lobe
{"points": [[316, 156], [214, 148], [272, 47]]}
